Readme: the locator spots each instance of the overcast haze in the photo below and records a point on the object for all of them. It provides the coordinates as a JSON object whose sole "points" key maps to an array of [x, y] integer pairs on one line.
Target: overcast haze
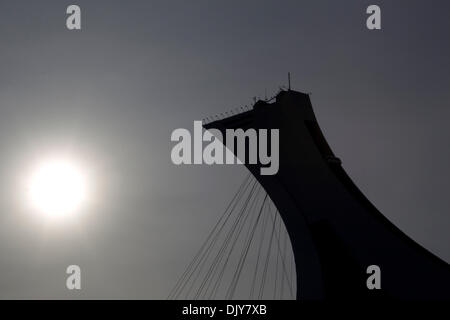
{"points": [[112, 93]]}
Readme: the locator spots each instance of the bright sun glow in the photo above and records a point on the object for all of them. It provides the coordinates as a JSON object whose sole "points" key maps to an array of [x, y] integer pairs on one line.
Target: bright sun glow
{"points": [[57, 188]]}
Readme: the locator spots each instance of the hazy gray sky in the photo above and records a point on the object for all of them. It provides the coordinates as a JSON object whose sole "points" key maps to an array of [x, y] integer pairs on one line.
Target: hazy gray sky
{"points": [[112, 93]]}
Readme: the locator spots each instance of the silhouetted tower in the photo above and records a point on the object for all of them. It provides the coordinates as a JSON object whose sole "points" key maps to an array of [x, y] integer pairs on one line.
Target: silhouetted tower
{"points": [[336, 233]]}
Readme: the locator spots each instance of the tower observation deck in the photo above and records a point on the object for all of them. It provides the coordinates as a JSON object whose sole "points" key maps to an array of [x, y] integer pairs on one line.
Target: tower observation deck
{"points": [[335, 231]]}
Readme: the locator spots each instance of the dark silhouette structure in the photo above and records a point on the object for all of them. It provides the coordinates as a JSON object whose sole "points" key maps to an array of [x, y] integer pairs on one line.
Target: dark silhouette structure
{"points": [[336, 233]]}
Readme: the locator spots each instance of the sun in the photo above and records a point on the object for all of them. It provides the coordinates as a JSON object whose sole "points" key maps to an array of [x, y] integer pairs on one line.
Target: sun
{"points": [[57, 188]]}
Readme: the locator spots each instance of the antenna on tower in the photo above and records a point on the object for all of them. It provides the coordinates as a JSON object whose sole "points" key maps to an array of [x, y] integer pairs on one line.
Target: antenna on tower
{"points": [[289, 81]]}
